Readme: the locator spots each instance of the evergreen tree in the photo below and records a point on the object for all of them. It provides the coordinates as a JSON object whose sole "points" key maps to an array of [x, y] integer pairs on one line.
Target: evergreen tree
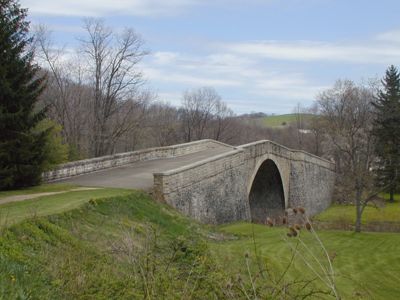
{"points": [[387, 131], [22, 147]]}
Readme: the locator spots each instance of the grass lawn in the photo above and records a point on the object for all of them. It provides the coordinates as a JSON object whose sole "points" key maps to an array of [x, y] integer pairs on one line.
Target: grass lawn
{"points": [[277, 121], [367, 264], [13, 212], [388, 214]]}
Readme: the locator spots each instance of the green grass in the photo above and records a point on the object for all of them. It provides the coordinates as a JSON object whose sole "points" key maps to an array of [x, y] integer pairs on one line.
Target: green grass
{"points": [[122, 247], [367, 264], [119, 244], [13, 212], [44, 188], [389, 213], [279, 120]]}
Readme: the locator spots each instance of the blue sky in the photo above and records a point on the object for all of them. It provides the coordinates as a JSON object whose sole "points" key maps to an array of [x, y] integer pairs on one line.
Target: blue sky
{"points": [[260, 55]]}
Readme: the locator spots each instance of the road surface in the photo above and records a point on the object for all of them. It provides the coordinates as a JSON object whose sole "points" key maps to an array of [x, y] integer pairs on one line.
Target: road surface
{"points": [[140, 175]]}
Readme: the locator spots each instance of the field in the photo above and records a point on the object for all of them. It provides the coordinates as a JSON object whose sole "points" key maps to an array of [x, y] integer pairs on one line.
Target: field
{"points": [[114, 243], [367, 264], [382, 217], [280, 121]]}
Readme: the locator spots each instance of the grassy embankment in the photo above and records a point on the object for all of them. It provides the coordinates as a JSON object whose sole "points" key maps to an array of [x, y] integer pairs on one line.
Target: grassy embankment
{"points": [[123, 247], [128, 246], [67, 199]]}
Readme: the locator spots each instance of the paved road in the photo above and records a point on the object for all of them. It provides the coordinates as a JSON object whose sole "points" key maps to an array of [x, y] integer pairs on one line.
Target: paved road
{"points": [[140, 175]]}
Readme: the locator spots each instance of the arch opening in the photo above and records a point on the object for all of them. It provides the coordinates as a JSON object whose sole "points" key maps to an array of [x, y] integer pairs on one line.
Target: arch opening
{"points": [[266, 197]]}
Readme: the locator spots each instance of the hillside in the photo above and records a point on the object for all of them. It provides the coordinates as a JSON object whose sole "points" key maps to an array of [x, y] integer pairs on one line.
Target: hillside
{"points": [[127, 246], [281, 121]]}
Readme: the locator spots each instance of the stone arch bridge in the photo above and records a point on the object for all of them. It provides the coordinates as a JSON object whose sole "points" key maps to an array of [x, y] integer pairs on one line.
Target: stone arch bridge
{"points": [[214, 182]]}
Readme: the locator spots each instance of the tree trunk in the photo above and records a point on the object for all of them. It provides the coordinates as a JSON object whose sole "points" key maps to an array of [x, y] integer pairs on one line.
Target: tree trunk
{"points": [[358, 219], [391, 199], [359, 209]]}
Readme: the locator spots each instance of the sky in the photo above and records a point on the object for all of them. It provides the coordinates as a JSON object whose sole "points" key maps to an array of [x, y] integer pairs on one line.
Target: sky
{"points": [[260, 55]]}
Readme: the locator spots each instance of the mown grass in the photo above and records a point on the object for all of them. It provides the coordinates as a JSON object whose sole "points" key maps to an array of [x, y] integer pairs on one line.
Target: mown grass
{"points": [[283, 120], [367, 264], [387, 213], [13, 212]]}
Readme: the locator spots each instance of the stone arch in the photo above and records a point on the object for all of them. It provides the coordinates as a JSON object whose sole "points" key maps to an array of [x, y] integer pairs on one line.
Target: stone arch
{"points": [[266, 193]]}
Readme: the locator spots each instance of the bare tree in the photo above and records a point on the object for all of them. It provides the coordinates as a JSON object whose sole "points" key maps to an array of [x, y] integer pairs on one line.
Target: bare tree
{"points": [[163, 119], [222, 123], [65, 93], [299, 124], [112, 60], [205, 115], [95, 94], [316, 125], [198, 109], [347, 111]]}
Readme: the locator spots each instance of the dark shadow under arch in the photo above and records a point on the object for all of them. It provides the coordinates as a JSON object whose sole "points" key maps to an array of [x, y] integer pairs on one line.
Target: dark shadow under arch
{"points": [[266, 196]]}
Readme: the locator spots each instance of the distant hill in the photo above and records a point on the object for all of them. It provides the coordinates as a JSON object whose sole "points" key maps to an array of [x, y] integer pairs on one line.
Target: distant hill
{"points": [[280, 121]]}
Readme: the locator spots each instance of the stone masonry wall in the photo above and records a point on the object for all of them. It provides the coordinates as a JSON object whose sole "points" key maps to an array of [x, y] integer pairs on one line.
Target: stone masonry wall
{"points": [[91, 165], [211, 191], [311, 184]]}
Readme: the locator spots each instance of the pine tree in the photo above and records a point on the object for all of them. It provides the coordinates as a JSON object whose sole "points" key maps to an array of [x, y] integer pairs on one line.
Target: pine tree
{"points": [[22, 151], [387, 131]]}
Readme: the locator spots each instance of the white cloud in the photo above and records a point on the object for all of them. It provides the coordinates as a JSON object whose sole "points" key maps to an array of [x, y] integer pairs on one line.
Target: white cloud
{"points": [[165, 58], [103, 7], [187, 79], [319, 51], [389, 36], [230, 73], [173, 98], [66, 28], [127, 7], [305, 92]]}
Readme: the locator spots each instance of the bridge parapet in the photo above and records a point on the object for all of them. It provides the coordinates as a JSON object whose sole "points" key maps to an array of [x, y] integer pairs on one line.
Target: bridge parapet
{"points": [[260, 148], [110, 161], [263, 147]]}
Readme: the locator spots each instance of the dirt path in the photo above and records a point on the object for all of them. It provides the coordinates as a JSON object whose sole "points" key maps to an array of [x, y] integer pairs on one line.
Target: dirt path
{"points": [[18, 198]]}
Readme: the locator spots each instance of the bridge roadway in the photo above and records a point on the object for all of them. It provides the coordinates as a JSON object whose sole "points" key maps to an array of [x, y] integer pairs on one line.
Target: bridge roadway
{"points": [[139, 175]]}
